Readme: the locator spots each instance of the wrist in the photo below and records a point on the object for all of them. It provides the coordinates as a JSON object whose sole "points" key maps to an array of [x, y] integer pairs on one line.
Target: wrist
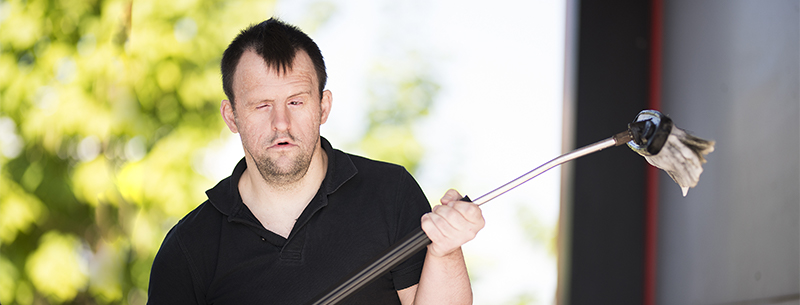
{"points": [[454, 253]]}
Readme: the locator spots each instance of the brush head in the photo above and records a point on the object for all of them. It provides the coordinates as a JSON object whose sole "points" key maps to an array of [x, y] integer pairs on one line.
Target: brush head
{"points": [[669, 148], [650, 130]]}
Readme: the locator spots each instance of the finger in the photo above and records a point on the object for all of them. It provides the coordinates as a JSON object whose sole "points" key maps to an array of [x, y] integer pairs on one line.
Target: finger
{"points": [[450, 196], [453, 230], [445, 219], [459, 211], [440, 244], [448, 228], [460, 222], [470, 211], [450, 221], [435, 227]]}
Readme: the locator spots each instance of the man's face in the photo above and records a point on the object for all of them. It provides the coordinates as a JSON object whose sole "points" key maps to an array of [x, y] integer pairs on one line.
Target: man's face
{"points": [[277, 116]]}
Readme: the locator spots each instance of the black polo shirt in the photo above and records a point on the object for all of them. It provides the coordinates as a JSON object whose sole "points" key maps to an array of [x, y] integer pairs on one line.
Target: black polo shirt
{"points": [[221, 254]]}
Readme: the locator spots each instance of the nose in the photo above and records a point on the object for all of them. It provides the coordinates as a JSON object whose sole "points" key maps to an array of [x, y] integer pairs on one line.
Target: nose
{"points": [[280, 118]]}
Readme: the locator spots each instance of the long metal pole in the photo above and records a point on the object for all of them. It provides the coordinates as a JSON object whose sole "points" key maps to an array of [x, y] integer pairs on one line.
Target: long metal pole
{"points": [[417, 240], [598, 146]]}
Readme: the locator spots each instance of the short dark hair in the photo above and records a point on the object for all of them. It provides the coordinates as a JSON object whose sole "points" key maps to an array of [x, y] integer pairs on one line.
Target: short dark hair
{"points": [[277, 43]]}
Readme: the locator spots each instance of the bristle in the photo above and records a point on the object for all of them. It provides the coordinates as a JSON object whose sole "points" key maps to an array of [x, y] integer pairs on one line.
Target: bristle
{"points": [[700, 147], [681, 154], [682, 157]]}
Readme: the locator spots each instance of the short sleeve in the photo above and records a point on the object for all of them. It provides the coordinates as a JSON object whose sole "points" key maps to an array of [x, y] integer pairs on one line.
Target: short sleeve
{"points": [[411, 205], [171, 279]]}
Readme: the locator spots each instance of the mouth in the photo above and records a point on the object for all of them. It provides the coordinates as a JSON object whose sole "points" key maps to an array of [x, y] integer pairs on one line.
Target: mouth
{"points": [[282, 143]]}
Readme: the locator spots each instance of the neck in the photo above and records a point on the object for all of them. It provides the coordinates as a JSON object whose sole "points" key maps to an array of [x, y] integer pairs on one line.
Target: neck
{"points": [[281, 204], [309, 182]]}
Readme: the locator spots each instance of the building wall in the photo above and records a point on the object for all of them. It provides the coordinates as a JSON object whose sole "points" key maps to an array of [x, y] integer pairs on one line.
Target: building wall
{"points": [[730, 73], [604, 207]]}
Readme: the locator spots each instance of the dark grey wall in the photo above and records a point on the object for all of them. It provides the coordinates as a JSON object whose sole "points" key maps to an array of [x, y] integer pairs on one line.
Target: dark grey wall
{"points": [[606, 211], [730, 73]]}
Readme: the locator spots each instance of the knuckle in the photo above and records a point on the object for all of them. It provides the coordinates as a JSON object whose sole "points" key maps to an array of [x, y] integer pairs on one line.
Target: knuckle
{"points": [[474, 211], [439, 209]]}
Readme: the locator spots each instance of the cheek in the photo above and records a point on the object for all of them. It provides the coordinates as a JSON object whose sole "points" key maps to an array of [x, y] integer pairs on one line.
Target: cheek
{"points": [[310, 126], [250, 132]]}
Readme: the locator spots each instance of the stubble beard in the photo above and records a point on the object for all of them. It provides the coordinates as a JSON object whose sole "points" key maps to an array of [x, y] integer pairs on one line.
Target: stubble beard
{"points": [[275, 175]]}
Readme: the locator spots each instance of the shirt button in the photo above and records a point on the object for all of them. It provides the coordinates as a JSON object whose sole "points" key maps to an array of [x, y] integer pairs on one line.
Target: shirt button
{"points": [[263, 239]]}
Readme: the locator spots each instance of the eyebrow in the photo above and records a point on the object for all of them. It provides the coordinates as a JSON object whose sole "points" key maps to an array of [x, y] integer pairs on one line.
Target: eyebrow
{"points": [[289, 97], [300, 93]]}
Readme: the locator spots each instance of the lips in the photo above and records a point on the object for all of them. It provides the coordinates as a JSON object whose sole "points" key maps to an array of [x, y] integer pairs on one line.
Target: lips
{"points": [[282, 139], [282, 145], [282, 142]]}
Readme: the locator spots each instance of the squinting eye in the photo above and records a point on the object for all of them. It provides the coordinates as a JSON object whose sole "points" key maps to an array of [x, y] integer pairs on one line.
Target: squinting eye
{"points": [[295, 103]]}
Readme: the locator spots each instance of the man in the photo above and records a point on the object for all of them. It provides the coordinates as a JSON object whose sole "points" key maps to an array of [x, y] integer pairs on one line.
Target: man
{"points": [[296, 215]]}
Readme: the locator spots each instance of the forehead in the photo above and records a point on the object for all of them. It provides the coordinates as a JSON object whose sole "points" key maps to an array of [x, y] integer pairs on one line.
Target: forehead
{"points": [[254, 74]]}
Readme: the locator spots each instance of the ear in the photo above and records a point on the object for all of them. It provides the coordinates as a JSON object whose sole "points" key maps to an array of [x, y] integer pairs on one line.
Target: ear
{"points": [[325, 105], [226, 109]]}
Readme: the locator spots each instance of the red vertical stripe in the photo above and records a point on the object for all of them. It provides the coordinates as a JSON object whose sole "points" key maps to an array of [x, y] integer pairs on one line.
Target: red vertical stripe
{"points": [[651, 184]]}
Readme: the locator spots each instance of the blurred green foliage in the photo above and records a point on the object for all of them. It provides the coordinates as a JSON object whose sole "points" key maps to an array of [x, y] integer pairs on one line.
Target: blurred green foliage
{"points": [[538, 232], [400, 94], [103, 106]]}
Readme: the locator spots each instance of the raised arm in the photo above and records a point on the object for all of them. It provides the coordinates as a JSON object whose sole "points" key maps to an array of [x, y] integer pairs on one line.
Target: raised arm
{"points": [[444, 278]]}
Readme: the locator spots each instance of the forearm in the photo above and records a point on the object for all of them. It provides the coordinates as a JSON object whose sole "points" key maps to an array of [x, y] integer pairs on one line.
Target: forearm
{"points": [[444, 280]]}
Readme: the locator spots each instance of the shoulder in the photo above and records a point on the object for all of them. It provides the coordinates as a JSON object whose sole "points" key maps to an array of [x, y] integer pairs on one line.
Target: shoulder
{"points": [[387, 183], [194, 229], [191, 241], [370, 167], [357, 179], [347, 168], [182, 268]]}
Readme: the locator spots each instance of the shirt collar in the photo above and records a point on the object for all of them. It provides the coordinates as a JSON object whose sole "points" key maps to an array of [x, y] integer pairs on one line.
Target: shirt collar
{"points": [[225, 195]]}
